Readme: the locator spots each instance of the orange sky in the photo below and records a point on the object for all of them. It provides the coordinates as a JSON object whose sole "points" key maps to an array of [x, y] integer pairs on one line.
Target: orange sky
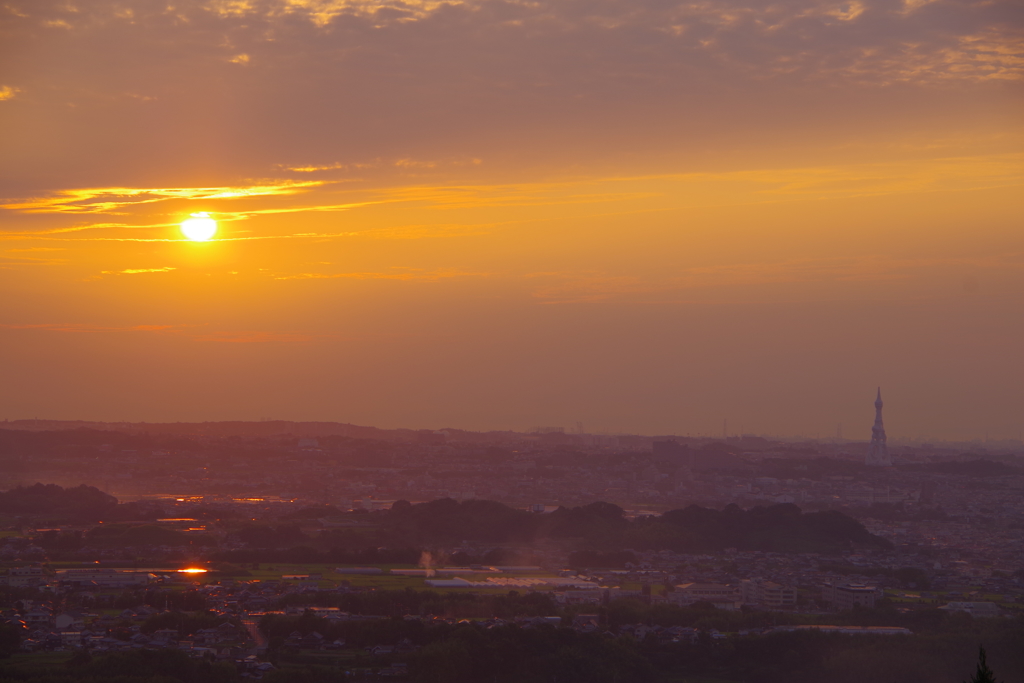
{"points": [[646, 216]]}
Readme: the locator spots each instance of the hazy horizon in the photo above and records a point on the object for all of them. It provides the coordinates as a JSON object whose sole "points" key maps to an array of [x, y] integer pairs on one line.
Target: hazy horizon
{"points": [[569, 430]]}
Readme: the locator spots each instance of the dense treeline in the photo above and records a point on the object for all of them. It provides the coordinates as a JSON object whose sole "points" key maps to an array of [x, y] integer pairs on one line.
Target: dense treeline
{"points": [[469, 653], [943, 650], [10, 639], [135, 666], [396, 603], [78, 503], [53, 499], [513, 655], [305, 554], [582, 559], [395, 535], [774, 528], [813, 657], [186, 623], [922, 621], [465, 652], [602, 527], [780, 528]]}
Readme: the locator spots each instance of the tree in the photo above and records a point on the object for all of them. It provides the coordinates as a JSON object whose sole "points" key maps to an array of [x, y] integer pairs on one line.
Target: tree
{"points": [[10, 640], [443, 660], [983, 674], [912, 577]]}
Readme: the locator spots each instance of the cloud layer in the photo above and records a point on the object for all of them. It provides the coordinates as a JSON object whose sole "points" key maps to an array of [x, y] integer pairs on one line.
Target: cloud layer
{"points": [[126, 92]]}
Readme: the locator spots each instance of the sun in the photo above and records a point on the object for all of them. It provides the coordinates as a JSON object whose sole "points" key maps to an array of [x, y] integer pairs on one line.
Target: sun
{"points": [[199, 228]]}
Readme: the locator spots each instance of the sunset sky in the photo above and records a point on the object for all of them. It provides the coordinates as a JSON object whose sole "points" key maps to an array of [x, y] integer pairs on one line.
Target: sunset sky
{"points": [[643, 215]]}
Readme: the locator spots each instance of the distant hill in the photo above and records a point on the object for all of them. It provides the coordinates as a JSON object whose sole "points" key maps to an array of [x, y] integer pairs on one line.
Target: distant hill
{"points": [[229, 428], [95, 433]]}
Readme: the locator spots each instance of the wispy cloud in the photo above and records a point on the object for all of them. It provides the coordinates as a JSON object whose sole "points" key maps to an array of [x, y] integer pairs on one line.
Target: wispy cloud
{"points": [[518, 195], [322, 12], [408, 274], [632, 194], [109, 200], [406, 163], [134, 271], [8, 93], [313, 168], [421, 86], [309, 208]]}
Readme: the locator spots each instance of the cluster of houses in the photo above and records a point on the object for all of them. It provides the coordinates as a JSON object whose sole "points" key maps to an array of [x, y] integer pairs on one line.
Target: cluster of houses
{"points": [[239, 604], [45, 630], [754, 592]]}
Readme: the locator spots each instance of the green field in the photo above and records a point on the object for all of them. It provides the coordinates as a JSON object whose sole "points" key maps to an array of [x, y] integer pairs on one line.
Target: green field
{"points": [[271, 571], [384, 581]]}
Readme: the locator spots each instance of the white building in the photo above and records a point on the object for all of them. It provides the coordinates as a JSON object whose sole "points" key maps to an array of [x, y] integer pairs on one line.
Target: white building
{"points": [[975, 609], [843, 596], [105, 578], [767, 593], [719, 595]]}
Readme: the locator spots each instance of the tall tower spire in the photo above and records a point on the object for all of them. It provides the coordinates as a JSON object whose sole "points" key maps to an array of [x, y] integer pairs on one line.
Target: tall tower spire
{"points": [[878, 452]]}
